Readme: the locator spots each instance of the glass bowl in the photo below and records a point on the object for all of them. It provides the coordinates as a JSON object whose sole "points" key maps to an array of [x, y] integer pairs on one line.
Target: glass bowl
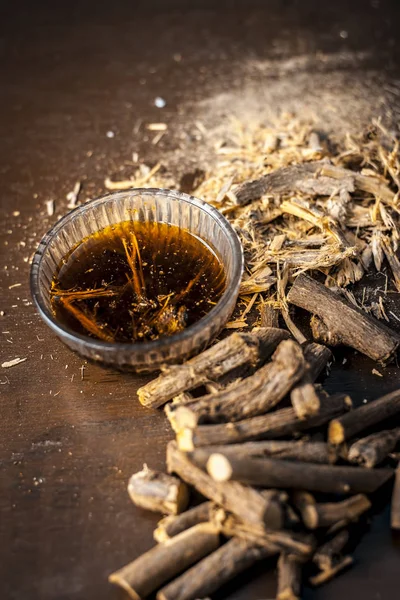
{"points": [[166, 206]]}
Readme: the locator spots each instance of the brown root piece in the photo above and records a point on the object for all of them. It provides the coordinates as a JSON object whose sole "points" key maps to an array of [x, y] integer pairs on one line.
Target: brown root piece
{"points": [[365, 416], [261, 391], [158, 492], [373, 449], [272, 473], [212, 572], [346, 323], [295, 178], [151, 570], [329, 574], [314, 452], [247, 503], [304, 397], [328, 554], [395, 509], [317, 357], [321, 333], [230, 353], [281, 423], [289, 578], [269, 316], [170, 526], [330, 514]]}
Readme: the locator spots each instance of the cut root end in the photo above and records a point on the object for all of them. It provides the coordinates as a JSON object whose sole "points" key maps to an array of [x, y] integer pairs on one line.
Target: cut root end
{"points": [[336, 433], [219, 468]]}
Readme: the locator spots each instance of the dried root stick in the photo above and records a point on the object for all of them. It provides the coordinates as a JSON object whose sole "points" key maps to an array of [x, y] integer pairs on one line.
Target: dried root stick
{"points": [[158, 492], [281, 423], [365, 416], [373, 449], [212, 572], [151, 570], [339, 322]]}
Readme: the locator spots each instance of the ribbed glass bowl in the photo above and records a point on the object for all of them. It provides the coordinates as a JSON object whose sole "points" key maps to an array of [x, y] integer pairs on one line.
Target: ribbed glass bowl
{"points": [[158, 205]]}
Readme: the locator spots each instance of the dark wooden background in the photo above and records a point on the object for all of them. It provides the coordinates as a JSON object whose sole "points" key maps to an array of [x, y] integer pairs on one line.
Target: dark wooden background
{"points": [[70, 437]]}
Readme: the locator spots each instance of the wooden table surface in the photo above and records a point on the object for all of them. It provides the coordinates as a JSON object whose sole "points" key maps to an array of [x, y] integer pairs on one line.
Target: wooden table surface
{"points": [[72, 433]]}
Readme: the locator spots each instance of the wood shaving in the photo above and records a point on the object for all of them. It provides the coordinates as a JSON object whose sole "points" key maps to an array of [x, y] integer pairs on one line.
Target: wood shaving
{"points": [[12, 363], [157, 127], [236, 324], [157, 138], [50, 207], [140, 181], [72, 196], [376, 372]]}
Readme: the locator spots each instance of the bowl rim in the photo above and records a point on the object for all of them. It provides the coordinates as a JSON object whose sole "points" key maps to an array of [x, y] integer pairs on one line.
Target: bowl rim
{"points": [[166, 341]]}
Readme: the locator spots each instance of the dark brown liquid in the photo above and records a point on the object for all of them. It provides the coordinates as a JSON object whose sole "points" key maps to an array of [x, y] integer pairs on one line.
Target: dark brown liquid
{"points": [[136, 281]]}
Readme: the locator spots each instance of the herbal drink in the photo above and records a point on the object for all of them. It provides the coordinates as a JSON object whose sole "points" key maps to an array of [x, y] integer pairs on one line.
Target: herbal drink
{"points": [[136, 281]]}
